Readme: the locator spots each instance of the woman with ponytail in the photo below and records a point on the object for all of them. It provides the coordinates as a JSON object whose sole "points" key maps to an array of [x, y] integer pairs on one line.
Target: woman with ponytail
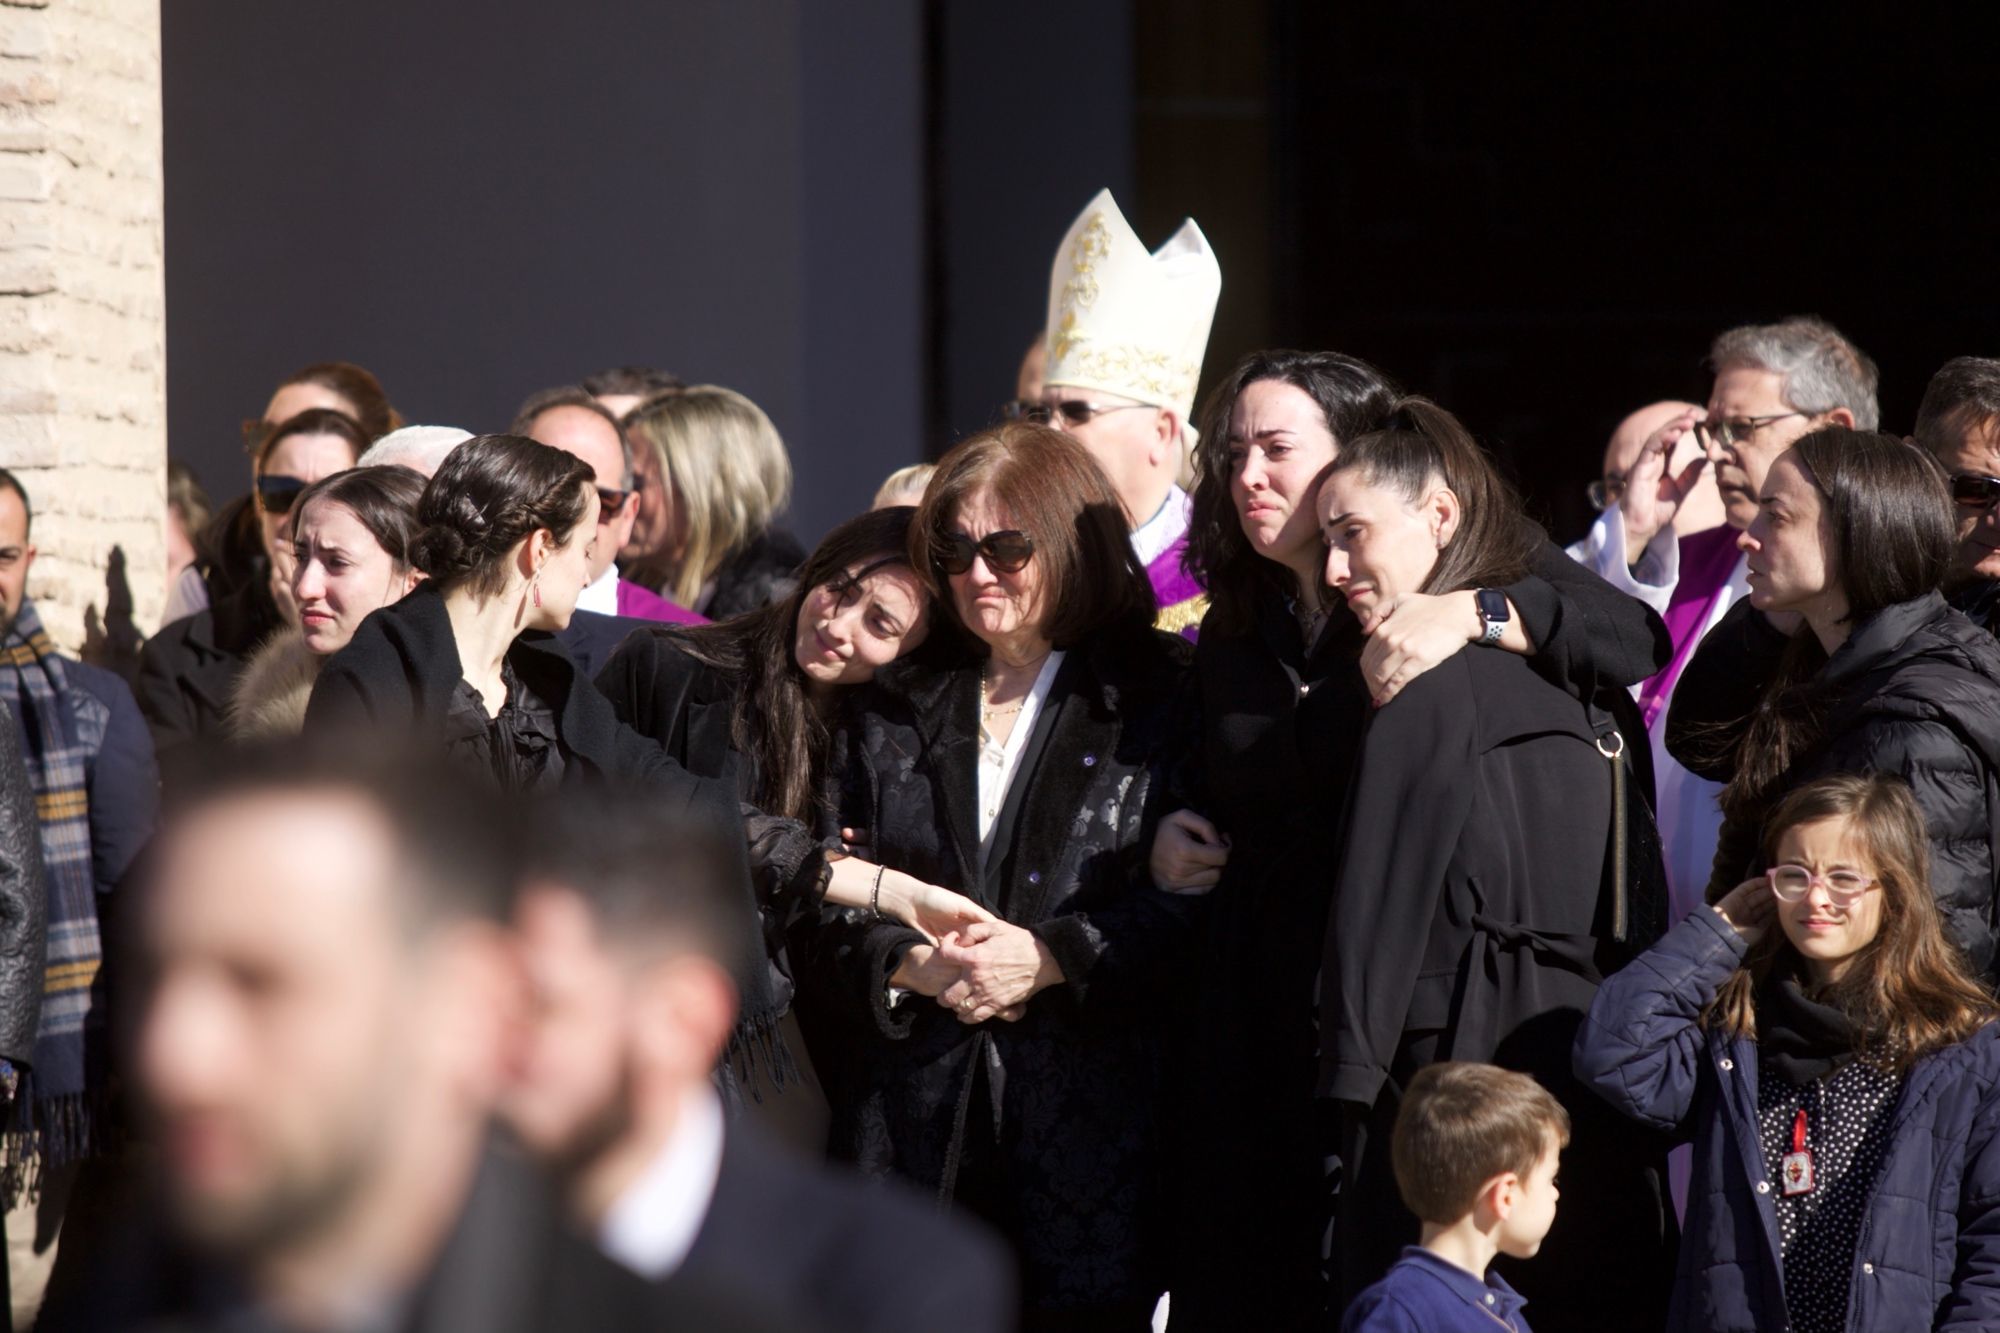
{"points": [[1471, 917]]}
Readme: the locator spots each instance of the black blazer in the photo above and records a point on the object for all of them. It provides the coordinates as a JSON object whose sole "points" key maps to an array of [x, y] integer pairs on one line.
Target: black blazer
{"points": [[861, 1259], [591, 638]]}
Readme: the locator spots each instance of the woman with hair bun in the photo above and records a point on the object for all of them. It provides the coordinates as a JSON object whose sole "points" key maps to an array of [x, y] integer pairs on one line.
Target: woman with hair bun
{"points": [[507, 527]]}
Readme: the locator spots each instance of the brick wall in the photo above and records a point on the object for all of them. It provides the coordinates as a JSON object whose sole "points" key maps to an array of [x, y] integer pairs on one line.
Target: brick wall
{"points": [[82, 307]]}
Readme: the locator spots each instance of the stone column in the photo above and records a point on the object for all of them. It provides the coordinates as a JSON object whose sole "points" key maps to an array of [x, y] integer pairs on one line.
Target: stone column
{"points": [[83, 310]]}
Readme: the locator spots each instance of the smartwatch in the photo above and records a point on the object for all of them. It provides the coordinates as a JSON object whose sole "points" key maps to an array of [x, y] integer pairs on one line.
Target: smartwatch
{"points": [[1493, 609]]}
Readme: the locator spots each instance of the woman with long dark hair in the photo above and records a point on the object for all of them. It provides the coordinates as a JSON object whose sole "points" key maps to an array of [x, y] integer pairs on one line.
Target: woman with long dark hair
{"points": [[1473, 911], [1822, 1043], [1014, 1069], [752, 702], [1853, 535], [1285, 680]]}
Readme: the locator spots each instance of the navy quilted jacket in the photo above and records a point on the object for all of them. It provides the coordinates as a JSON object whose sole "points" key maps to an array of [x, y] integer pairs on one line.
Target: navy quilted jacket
{"points": [[1929, 1250]]}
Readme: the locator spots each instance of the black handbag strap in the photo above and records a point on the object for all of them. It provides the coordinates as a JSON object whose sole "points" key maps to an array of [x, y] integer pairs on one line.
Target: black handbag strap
{"points": [[1611, 744]]}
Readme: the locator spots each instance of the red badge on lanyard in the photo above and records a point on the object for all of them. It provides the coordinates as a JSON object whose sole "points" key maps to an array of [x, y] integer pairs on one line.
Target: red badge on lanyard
{"points": [[1796, 1170]]}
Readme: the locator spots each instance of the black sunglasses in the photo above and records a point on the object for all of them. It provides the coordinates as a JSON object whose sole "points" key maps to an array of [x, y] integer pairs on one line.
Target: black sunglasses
{"points": [[1004, 552], [275, 494], [1974, 490], [611, 502]]}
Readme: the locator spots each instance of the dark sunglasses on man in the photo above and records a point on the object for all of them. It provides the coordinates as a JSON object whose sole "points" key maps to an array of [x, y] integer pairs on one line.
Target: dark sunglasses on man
{"points": [[611, 503], [1974, 490], [1006, 552], [1074, 412], [276, 493]]}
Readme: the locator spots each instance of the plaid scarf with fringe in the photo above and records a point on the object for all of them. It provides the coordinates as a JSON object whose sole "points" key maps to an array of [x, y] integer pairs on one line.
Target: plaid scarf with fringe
{"points": [[58, 1114]]}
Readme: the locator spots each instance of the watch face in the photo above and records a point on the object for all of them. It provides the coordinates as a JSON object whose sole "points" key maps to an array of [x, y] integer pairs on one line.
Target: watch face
{"points": [[1492, 604]]}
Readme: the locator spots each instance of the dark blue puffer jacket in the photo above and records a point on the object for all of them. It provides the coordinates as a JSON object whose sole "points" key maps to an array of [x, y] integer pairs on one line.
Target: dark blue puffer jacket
{"points": [[1929, 1249]]}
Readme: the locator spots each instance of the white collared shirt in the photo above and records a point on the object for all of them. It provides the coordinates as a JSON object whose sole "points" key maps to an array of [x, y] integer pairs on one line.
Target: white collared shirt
{"points": [[1151, 539], [998, 762], [653, 1225], [602, 594]]}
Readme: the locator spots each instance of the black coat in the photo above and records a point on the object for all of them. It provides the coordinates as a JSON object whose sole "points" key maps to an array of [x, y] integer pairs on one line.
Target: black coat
{"points": [[760, 572], [1470, 922], [1272, 740], [1915, 691], [1062, 1106], [862, 1259], [188, 674], [397, 674]]}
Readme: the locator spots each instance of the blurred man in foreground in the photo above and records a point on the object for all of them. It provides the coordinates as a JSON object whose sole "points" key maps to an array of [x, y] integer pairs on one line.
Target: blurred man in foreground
{"points": [[327, 1004], [630, 934]]}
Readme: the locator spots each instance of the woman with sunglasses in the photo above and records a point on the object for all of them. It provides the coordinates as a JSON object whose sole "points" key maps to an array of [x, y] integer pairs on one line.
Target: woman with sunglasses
{"points": [[188, 672], [353, 534], [1837, 1068], [752, 702], [1285, 681], [1853, 535], [1015, 1067]]}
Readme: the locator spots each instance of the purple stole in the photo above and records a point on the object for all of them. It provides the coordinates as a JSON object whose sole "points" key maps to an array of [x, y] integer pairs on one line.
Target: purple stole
{"points": [[1707, 560], [1182, 601]]}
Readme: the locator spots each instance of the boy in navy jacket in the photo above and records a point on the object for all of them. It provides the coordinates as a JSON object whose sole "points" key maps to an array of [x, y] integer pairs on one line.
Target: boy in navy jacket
{"points": [[1475, 1153]]}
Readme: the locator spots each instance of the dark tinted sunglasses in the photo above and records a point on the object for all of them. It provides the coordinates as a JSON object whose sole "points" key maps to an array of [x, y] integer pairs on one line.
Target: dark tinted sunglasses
{"points": [[1004, 552], [610, 503], [275, 494], [1975, 491]]}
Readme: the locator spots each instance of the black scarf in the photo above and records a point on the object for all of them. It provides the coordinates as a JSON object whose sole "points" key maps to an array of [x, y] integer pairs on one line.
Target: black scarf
{"points": [[1798, 1038]]}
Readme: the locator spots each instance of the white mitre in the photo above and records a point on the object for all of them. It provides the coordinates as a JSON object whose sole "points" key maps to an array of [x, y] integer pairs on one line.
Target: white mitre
{"points": [[1127, 322]]}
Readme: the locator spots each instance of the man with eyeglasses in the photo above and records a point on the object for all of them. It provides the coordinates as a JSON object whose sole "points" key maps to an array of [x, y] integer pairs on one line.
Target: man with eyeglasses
{"points": [[1125, 338], [1773, 384], [1959, 422], [570, 419]]}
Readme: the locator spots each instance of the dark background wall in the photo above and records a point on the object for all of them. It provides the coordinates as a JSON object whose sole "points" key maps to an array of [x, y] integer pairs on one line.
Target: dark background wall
{"points": [[477, 201], [848, 211]]}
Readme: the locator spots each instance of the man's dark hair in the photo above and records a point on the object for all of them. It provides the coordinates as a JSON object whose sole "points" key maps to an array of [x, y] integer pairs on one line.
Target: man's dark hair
{"points": [[643, 381], [10, 482], [450, 842], [655, 877], [1964, 393], [573, 395]]}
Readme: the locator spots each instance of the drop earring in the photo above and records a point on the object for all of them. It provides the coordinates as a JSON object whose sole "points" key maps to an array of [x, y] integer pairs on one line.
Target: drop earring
{"points": [[535, 587]]}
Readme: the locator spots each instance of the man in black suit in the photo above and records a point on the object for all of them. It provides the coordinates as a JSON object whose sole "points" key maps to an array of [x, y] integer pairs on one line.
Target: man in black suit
{"points": [[629, 931], [329, 999]]}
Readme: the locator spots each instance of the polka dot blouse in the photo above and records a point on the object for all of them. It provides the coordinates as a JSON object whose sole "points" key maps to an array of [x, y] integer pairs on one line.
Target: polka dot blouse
{"points": [[1847, 1123]]}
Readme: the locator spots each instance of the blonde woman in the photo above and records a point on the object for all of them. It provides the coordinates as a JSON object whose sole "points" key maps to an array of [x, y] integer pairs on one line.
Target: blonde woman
{"points": [[724, 476]]}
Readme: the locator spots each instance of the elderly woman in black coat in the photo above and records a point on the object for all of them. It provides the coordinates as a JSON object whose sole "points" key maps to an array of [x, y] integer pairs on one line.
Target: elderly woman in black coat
{"points": [[1014, 1067], [1473, 914]]}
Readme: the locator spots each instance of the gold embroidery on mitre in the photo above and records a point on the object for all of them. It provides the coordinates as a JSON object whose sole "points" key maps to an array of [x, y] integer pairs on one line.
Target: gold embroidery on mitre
{"points": [[1173, 619], [1072, 359]]}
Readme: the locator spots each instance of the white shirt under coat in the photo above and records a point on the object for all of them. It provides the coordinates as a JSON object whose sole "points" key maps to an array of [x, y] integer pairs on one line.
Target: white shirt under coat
{"points": [[655, 1221]]}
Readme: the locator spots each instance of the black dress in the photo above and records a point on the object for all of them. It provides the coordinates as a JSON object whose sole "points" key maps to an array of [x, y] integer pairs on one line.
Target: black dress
{"points": [[1273, 740], [1470, 921], [1049, 1126]]}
